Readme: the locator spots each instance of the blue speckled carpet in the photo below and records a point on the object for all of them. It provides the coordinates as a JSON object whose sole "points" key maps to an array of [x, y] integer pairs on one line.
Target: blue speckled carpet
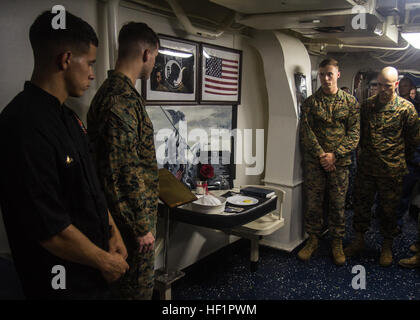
{"points": [[226, 274]]}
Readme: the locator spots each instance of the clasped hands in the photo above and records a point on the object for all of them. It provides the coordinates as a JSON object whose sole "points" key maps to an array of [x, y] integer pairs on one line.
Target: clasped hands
{"points": [[327, 161], [117, 266]]}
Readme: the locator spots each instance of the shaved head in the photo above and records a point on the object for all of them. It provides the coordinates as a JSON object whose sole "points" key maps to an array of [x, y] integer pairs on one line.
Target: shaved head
{"points": [[387, 83], [389, 74]]}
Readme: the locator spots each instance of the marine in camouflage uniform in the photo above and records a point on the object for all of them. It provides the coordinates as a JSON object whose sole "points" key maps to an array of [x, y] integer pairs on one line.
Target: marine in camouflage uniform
{"points": [[329, 123], [122, 134], [389, 133]]}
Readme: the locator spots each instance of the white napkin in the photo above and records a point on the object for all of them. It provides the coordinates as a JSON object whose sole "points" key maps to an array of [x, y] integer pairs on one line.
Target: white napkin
{"points": [[209, 200]]}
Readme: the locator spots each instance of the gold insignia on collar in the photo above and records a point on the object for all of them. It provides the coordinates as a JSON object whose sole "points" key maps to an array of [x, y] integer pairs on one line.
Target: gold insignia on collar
{"points": [[69, 160]]}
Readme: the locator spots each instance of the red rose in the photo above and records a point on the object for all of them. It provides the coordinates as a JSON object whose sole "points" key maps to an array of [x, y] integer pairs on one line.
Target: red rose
{"points": [[206, 171]]}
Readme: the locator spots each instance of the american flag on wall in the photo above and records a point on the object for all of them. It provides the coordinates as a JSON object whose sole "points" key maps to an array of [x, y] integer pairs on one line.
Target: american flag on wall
{"points": [[221, 75]]}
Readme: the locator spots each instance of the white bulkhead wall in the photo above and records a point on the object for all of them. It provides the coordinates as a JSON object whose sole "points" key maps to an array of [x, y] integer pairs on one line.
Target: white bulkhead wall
{"points": [[282, 57]]}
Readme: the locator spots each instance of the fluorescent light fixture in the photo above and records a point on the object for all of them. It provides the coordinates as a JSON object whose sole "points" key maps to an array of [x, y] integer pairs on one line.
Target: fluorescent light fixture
{"points": [[411, 33], [175, 53], [206, 54], [412, 38]]}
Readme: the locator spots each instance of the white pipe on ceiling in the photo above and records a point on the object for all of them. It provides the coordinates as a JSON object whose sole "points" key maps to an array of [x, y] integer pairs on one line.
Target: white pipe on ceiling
{"points": [[342, 45], [294, 15]]}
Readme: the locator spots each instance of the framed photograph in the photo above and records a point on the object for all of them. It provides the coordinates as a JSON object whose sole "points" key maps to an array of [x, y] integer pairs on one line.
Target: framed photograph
{"points": [[184, 135], [175, 75], [301, 91], [220, 72]]}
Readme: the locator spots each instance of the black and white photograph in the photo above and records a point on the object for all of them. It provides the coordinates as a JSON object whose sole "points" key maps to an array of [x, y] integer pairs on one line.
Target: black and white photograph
{"points": [[301, 91], [181, 150]]}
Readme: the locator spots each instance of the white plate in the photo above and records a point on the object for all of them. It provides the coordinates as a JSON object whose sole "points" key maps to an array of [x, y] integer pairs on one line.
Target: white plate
{"points": [[241, 200]]}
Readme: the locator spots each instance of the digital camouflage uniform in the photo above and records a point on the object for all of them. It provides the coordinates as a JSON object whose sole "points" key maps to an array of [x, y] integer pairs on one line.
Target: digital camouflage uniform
{"points": [[352, 176], [122, 135], [329, 123], [388, 133], [410, 180]]}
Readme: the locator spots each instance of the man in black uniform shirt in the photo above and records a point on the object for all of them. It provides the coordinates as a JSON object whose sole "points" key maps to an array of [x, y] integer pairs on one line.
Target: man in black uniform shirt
{"points": [[54, 211]]}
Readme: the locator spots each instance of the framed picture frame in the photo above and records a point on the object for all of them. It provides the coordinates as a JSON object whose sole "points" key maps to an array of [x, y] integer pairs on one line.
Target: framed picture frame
{"points": [[301, 90], [174, 79], [179, 152], [220, 75]]}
